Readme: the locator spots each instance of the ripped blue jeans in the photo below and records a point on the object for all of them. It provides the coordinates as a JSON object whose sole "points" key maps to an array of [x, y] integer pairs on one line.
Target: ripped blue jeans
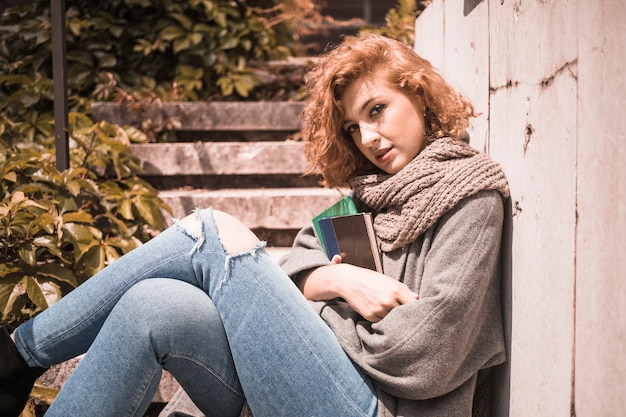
{"points": [[228, 327]]}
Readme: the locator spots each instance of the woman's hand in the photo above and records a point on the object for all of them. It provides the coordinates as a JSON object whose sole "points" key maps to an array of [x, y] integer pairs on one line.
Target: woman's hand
{"points": [[369, 293]]}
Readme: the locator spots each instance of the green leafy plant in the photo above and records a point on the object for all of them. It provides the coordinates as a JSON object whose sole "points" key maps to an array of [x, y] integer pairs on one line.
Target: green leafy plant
{"points": [[189, 49], [399, 22], [57, 229]]}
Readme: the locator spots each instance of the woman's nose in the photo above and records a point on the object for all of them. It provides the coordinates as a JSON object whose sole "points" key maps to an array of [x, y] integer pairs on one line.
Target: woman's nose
{"points": [[369, 135]]}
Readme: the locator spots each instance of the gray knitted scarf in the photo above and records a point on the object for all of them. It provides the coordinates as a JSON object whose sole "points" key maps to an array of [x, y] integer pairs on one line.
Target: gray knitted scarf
{"points": [[411, 201]]}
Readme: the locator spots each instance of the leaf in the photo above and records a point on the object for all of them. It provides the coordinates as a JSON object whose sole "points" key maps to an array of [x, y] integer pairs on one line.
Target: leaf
{"points": [[10, 176], [51, 291], [35, 293], [192, 72], [51, 245], [28, 254], [229, 42], [220, 19], [184, 21], [14, 291], [82, 57], [148, 211], [73, 187], [111, 254], [107, 61], [126, 209], [26, 98], [59, 273], [196, 38], [81, 233], [170, 33], [181, 44], [15, 79], [83, 238], [78, 217], [243, 85], [94, 260], [17, 198], [201, 28], [125, 245], [6, 290]]}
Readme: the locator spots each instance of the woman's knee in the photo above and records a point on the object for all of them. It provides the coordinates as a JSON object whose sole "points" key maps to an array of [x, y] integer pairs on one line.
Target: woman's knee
{"points": [[163, 303], [173, 317], [234, 235]]}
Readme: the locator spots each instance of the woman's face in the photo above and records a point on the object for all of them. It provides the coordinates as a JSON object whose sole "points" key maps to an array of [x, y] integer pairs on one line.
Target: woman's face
{"points": [[386, 125]]}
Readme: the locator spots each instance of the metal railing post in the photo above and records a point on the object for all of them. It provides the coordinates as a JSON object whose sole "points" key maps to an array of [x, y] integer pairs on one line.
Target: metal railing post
{"points": [[59, 83], [367, 11]]}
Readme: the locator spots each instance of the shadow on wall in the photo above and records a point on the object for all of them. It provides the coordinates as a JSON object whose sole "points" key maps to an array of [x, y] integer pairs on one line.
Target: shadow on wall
{"points": [[501, 394], [470, 5]]}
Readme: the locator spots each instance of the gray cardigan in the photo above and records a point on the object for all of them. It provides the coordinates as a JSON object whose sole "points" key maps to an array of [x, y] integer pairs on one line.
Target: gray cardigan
{"points": [[424, 357]]}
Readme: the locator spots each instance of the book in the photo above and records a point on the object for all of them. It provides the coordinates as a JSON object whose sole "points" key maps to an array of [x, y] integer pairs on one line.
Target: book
{"points": [[349, 234], [341, 208]]}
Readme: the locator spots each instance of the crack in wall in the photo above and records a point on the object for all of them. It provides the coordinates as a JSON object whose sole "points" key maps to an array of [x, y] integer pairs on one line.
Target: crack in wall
{"points": [[509, 84], [568, 67]]}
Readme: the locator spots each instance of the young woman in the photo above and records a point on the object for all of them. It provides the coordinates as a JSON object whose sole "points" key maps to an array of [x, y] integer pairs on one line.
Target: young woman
{"points": [[205, 301]]}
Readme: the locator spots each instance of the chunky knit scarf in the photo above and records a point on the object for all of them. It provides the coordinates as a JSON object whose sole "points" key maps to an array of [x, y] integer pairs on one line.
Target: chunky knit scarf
{"points": [[412, 200]]}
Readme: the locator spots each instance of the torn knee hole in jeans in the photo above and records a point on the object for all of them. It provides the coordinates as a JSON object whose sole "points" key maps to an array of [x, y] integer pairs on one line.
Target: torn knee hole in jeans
{"points": [[234, 236]]}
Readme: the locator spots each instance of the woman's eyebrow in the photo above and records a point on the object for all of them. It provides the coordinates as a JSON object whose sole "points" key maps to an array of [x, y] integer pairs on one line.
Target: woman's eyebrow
{"points": [[364, 106], [367, 103]]}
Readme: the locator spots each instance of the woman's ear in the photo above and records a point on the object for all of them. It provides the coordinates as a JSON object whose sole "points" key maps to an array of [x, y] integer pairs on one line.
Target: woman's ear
{"points": [[421, 103]]}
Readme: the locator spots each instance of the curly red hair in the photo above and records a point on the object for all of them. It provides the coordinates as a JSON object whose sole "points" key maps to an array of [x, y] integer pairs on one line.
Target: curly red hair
{"points": [[329, 150]]}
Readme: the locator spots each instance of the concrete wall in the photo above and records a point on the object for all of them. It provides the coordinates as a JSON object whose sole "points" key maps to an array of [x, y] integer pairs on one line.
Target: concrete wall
{"points": [[548, 77]]}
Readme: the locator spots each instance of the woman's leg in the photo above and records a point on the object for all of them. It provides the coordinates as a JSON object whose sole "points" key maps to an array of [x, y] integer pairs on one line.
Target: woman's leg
{"points": [[288, 360], [67, 329], [158, 323]]}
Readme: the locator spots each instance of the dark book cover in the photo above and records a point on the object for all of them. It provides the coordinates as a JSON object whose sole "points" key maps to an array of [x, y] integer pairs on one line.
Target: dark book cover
{"points": [[352, 237], [342, 207]]}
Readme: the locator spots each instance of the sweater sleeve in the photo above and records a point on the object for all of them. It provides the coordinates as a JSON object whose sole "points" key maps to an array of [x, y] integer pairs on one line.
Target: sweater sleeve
{"points": [[306, 253], [429, 347]]}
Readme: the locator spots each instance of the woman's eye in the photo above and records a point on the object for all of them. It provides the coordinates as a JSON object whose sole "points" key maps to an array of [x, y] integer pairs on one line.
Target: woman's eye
{"points": [[352, 128], [377, 109]]}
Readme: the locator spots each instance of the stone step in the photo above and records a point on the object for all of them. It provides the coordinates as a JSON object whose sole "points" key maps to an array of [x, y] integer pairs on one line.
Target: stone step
{"points": [[259, 182], [269, 208], [271, 116], [221, 158]]}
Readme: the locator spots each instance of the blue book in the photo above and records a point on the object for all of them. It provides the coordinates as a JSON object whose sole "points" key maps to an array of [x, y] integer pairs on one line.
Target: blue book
{"points": [[327, 237]]}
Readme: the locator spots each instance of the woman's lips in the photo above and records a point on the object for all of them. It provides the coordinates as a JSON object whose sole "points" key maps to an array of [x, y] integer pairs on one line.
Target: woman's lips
{"points": [[382, 155]]}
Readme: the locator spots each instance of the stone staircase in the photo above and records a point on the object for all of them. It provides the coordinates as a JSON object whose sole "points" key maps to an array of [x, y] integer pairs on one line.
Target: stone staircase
{"points": [[239, 157]]}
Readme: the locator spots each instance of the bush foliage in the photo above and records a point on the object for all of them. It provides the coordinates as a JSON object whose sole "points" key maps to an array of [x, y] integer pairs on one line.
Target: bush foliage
{"points": [[57, 229], [187, 49], [399, 21]]}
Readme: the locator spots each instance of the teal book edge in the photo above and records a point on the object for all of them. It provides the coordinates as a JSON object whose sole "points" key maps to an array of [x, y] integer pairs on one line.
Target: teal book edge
{"points": [[343, 207]]}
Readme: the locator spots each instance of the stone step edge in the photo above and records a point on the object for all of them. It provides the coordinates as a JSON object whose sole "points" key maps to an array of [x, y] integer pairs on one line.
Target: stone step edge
{"points": [[265, 208], [204, 116], [221, 158]]}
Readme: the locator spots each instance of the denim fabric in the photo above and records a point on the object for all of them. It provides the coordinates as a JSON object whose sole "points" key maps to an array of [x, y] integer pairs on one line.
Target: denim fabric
{"points": [[288, 362]]}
